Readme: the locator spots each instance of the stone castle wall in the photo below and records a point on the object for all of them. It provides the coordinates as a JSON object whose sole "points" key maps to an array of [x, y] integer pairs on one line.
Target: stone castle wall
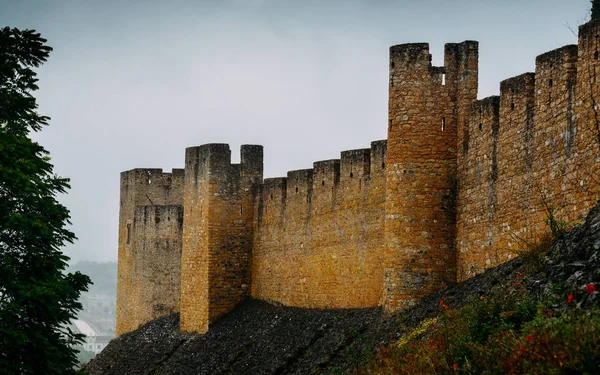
{"points": [[156, 268], [535, 147], [148, 248], [319, 238], [459, 186]]}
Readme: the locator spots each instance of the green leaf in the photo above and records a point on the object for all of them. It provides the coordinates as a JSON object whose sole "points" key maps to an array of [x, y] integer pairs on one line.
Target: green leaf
{"points": [[37, 298]]}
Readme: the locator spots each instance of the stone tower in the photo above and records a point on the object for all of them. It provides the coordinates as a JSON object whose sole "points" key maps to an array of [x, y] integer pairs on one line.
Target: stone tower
{"points": [[219, 199], [428, 108], [150, 227]]}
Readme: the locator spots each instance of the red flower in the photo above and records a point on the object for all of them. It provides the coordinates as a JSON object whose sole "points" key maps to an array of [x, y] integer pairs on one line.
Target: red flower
{"points": [[412, 346], [570, 298], [430, 342], [514, 283], [528, 338], [519, 275], [455, 367], [446, 307], [442, 302], [590, 288]]}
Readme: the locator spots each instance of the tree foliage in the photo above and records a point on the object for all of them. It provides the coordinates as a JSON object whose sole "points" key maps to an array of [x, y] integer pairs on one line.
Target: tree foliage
{"points": [[595, 9], [37, 299]]}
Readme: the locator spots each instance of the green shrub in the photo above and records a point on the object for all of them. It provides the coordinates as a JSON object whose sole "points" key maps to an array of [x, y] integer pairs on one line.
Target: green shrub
{"points": [[507, 332]]}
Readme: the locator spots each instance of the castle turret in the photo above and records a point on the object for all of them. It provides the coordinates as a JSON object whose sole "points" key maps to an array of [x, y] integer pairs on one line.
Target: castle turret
{"points": [[428, 108], [150, 229], [219, 210]]}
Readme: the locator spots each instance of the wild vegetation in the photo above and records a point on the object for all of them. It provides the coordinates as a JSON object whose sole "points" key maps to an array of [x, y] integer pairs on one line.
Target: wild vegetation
{"points": [[37, 299], [509, 331], [514, 328]]}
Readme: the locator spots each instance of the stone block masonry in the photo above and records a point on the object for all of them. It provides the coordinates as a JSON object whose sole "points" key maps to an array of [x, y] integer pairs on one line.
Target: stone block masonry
{"points": [[535, 146], [460, 185], [426, 104], [219, 200], [150, 227], [319, 237]]}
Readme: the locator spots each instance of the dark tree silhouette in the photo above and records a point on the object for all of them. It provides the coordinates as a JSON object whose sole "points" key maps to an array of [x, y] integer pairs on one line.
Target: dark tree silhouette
{"points": [[595, 9], [37, 298]]}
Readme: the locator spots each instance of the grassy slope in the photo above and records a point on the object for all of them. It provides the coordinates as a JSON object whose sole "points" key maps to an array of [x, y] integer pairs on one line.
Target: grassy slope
{"points": [[543, 317]]}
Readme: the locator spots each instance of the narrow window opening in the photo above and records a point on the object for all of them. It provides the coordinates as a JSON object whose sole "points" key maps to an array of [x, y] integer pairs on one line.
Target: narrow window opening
{"points": [[550, 83], [480, 126], [443, 123], [512, 106], [351, 174], [128, 233], [596, 55], [323, 183], [359, 185], [149, 181], [241, 210], [383, 165], [271, 196], [443, 79], [296, 189]]}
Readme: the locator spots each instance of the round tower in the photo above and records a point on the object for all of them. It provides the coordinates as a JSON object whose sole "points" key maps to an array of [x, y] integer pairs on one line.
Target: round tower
{"points": [[427, 110]]}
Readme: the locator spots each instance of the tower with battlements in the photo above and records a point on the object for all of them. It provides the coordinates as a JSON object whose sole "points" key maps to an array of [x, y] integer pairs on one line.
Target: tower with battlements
{"points": [[457, 186]]}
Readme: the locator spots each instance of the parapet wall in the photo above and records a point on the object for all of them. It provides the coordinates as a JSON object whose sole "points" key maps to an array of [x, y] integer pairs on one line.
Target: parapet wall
{"points": [[319, 236], [533, 149]]}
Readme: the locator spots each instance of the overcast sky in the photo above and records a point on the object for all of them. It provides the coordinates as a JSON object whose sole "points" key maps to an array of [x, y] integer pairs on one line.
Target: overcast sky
{"points": [[130, 84]]}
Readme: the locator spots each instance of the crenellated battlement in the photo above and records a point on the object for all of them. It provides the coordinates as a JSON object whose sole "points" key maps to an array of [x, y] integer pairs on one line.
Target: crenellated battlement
{"points": [[141, 187], [328, 172], [410, 56], [326, 183], [455, 189]]}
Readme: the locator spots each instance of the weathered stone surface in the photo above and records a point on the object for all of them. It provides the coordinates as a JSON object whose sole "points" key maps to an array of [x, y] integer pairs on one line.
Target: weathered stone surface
{"points": [[456, 189], [427, 107], [319, 238], [150, 227], [219, 202], [535, 146]]}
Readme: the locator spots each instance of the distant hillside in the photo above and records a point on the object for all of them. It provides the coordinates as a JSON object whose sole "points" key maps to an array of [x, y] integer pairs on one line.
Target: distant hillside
{"points": [[99, 303], [258, 338], [103, 275]]}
